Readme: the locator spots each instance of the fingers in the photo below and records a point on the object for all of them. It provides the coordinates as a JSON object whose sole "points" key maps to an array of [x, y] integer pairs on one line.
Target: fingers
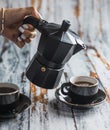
{"points": [[27, 31], [27, 34], [28, 27], [19, 42], [32, 11]]}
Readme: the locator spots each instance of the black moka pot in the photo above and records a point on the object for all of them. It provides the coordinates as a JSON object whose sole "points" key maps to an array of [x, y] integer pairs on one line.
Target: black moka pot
{"points": [[56, 46]]}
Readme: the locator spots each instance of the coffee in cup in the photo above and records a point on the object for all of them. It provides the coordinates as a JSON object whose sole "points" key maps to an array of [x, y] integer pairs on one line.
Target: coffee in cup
{"points": [[84, 83], [9, 93], [82, 89]]}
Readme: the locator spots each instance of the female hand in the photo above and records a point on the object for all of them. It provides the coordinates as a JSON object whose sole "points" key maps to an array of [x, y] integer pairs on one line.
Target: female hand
{"points": [[13, 28]]}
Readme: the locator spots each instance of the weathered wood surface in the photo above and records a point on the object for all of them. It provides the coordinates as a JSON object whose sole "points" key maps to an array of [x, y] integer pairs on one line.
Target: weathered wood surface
{"points": [[91, 19]]}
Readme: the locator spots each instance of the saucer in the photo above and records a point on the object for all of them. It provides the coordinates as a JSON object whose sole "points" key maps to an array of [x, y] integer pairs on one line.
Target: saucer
{"points": [[22, 104], [66, 99]]}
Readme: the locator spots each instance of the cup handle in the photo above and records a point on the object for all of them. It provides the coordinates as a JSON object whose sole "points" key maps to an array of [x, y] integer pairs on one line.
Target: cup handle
{"points": [[65, 86]]}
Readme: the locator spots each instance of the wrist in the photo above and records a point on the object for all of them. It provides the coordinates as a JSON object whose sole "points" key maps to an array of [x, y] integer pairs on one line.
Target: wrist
{"points": [[0, 20]]}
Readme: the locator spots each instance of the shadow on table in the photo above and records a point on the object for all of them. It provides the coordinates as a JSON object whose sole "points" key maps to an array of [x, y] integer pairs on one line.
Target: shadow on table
{"points": [[60, 108]]}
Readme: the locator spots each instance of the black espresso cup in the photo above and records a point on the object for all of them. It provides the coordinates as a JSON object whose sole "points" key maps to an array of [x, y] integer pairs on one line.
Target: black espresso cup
{"points": [[81, 89], [9, 94]]}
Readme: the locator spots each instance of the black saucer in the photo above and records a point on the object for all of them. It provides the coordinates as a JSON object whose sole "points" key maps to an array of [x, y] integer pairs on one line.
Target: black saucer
{"points": [[68, 101], [22, 104]]}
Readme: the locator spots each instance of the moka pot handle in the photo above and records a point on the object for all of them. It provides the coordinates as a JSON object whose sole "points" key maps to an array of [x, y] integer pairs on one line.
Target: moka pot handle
{"points": [[36, 23]]}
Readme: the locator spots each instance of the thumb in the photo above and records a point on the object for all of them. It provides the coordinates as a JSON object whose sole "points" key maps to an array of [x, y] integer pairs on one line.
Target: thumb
{"points": [[18, 14], [32, 11]]}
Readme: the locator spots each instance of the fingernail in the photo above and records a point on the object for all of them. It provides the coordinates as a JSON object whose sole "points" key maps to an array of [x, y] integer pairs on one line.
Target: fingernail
{"points": [[25, 26], [19, 39], [21, 29], [23, 36]]}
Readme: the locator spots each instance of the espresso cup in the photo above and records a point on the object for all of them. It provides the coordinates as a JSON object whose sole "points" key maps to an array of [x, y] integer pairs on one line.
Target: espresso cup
{"points": [[82, 89], [9, 94]]}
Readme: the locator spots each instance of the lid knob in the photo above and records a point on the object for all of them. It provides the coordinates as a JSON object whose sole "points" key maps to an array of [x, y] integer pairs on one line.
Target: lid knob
{"points": [[65, 25]]}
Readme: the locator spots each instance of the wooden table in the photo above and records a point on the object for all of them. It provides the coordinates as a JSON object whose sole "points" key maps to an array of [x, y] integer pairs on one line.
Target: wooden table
{"points": [[91, 19]]}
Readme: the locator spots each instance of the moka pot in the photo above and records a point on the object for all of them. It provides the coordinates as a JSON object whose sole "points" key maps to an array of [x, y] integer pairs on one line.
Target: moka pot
{"points": [[57, 45]]}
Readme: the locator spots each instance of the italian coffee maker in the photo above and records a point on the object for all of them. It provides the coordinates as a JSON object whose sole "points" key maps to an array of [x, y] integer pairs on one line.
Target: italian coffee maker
{"points": [[56, 46]]}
